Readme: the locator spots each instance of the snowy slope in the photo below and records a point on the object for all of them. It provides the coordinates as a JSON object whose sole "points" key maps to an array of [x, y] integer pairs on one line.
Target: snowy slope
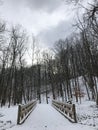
{"points": [[87, 113], [8, 117]]}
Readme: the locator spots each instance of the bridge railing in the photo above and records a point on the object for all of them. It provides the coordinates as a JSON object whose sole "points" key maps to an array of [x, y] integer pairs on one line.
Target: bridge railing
{"points": [[68, 110], [25, 110]]}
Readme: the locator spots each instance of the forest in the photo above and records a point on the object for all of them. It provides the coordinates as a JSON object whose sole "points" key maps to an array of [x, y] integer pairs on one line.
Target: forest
{"points": [[56, 71]]}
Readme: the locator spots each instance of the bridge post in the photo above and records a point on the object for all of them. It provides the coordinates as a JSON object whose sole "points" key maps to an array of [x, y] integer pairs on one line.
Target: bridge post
{"points": [[19, 112], [74, 113]]}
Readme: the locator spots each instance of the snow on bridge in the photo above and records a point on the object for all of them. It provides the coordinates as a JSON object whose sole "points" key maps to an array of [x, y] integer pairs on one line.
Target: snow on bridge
{"points": [[45, 117]]}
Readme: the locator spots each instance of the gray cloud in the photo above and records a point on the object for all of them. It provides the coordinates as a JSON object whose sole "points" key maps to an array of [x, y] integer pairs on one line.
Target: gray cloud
{"points": [[50, 36], [46, 5], [36, 5]]}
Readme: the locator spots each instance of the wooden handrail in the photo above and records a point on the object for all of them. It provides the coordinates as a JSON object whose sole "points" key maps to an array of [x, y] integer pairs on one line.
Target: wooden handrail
{"points": [[68, 110], [24, 111]]}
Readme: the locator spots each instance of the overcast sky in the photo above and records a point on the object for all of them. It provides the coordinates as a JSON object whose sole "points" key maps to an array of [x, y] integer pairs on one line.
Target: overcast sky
{"points": [[48, 20]]}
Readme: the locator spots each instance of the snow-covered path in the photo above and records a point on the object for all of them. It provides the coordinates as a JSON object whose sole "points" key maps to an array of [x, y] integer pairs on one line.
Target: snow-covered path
{"points": [[45, 117]]}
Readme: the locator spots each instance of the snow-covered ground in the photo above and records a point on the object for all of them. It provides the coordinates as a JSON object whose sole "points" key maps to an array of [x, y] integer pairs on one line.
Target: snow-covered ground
{"points": [[8, 117], [87, 114]]}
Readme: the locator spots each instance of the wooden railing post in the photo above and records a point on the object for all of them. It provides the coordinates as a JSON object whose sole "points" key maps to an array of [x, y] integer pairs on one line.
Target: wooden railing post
{"points": [[19, 113], [74, 113]]}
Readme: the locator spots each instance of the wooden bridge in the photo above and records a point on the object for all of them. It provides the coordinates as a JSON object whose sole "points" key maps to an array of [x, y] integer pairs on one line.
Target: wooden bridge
{"points": [[46, 117]]}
